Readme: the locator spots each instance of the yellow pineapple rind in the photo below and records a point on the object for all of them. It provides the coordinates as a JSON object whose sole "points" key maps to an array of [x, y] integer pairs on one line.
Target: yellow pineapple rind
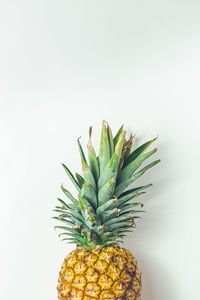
{"points": [[107, 273]]}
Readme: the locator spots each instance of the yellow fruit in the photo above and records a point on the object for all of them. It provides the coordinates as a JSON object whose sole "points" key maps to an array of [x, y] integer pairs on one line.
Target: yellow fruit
{"points": [[107, 273]]}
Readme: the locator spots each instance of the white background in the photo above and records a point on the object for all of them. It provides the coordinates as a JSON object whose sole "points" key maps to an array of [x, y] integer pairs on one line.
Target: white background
{"points": [[65, 65]]}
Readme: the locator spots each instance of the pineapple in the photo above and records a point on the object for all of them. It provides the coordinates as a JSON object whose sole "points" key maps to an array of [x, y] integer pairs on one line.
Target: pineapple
{"points": [[99, 218]]}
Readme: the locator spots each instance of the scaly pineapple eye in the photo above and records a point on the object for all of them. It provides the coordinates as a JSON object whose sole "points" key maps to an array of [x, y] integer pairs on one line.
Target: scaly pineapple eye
{"points": [[98, 218], [98, 278], [114, 259]]}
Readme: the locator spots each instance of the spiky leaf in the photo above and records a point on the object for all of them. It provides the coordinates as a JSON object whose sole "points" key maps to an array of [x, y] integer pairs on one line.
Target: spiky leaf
{"points": [[133, 166], [138, 151], [88, 176], [71, 177], [118, 134], [104, 152], [89, 194], [93, 162], [105, 193]]}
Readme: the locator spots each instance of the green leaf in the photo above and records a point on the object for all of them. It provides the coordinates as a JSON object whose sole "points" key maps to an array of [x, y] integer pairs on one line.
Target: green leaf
{"points": [[105, 206], [110, 138], [104, 152], [69, 218], [119, 145], [71, 210], [72, 230], [81, 150], [125, 151], [111, 168], [123, 185], [70, 197], [133, 166], [80, 179], [128, 146], [124, 230], [96, 236], [122, 200], [65, 205], [110, 214], [133, 192], [150, 165], [65, 221], [115, 220], [112, 236], [69, 240], [63, 215], [129, 194], [129, 212], [118, 134], [81, 240], [109, 171], [89, 194], [85, 206], [122, 225], [93, 162], [130, 205], [60, 211], [74, 214], [138, 151], [105, 193], [78, 222], [66, 233], [71, 177], [88, 176]]}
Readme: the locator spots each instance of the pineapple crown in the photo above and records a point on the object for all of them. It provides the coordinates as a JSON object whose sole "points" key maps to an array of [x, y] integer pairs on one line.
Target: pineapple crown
{"points": [[103, 212]]}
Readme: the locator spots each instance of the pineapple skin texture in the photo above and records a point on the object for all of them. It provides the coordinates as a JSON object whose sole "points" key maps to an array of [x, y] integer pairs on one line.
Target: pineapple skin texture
{"points": [[107, 273]]}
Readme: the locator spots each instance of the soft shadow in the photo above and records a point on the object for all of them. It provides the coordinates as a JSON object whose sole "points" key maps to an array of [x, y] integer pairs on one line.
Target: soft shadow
{"points": [[157, 281]]}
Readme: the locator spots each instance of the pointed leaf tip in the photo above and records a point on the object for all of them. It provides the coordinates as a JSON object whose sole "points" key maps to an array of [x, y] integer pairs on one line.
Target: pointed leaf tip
{"points": [[90, 132], [81, 150]]}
